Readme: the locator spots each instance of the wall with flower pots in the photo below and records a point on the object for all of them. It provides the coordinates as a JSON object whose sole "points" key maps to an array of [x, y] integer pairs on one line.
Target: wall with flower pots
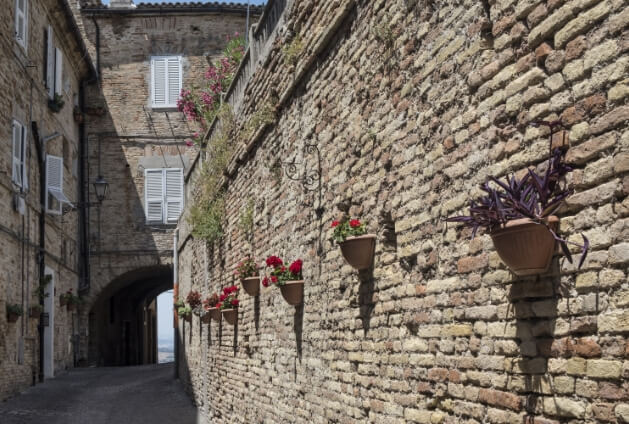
{"points": [[412, 105]]}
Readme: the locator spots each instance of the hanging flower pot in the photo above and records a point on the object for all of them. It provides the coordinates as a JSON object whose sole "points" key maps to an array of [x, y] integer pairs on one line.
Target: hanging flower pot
{"points": [[231, 315], [525, 246], [293, 292], [357, 247], [215, 314], [14, 312], [251, 285], [517, 213], [289, 280], [35, 311], [358, 251], [248, 273]]}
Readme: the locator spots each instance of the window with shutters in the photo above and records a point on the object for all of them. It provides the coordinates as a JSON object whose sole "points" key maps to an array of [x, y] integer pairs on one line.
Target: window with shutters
{"points": [[163, 195], [19, 174], [21, 22], [53, 71], [55, 197], [166, 77]]}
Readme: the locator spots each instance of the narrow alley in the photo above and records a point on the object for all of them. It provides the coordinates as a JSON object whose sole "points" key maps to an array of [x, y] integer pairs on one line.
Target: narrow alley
{"points": [[125, 395]]}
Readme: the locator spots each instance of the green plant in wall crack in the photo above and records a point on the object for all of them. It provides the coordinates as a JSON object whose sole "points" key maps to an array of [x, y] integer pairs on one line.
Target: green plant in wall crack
{"points": [[41, 288], [207, 219], [245, 220], [292, 50]]}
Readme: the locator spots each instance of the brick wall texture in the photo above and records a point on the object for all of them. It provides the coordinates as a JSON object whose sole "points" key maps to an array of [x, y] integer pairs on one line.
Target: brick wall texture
{"points": [[412, 104], [24, 98]]}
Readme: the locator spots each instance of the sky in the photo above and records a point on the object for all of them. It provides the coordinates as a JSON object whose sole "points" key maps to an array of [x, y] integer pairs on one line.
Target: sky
{"points": [[181, 1], [165, 316]]}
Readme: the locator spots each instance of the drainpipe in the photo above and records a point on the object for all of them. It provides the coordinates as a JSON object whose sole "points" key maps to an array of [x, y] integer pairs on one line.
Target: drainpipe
{"points": [[175, 297], [39, 146]]}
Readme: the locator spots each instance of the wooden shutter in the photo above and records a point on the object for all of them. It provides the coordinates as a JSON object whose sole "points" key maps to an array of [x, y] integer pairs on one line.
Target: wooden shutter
{"points": [[17, 154], [158, 78], [21, 21], [154, 194], [174, 80], [174, 194], [50, 64], [58, 71]]}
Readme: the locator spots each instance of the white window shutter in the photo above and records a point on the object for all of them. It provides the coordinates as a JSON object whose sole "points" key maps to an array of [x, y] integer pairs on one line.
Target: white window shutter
{"points": [[154, 194], [174, 80], [21, 21], [174, 194], [24, 158], [50, 64], [58, 71], [17, 154], [158, 77]]}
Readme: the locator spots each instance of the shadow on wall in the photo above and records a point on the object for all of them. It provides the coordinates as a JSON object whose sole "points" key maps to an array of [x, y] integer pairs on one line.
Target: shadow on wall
{"points": [[538, 303]]}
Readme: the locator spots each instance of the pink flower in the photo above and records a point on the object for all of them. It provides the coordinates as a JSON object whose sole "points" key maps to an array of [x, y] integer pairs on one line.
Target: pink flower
{"points": [[189, 143]]}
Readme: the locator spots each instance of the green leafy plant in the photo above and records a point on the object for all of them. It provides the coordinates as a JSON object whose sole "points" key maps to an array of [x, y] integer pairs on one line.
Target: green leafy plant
{"points": [[72, 299], [14, 309], [56, 103], [347, 227], [245, 220], [292, 50], [247, 268], [184, 311], [41, 288]]}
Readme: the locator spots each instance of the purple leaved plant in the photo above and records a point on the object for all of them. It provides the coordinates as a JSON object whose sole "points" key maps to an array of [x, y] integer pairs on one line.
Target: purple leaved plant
{"points": [[535, 196]]}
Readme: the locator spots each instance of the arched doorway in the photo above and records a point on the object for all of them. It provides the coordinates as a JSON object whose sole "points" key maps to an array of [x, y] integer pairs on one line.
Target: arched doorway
{"points": [[123, 318]]}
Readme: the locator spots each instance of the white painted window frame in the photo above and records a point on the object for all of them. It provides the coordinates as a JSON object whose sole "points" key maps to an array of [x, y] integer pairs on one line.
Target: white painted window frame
{"points": [[169, 103]]}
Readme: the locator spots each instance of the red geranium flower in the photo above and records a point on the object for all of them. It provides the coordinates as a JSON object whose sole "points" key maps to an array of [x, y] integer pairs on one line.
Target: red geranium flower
{"points": [[219, 304], [234, 302], [265, 282], [273, 279], [295, 267], [223, 297], [273, 261], [335, 223], [354, 223]]}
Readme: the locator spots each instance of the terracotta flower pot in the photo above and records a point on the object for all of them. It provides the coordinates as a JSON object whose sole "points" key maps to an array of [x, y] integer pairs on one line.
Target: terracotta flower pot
{"points": [[251, 285], [205, 319], [358, 251], [215, 314], [12, 317], [231, 315], [526, 247], [62, 300], [293, 292]]}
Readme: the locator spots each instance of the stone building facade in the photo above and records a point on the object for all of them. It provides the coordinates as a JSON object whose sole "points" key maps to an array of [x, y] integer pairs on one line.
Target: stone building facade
{"points": [[411, 106], [129, 136], [41, 54]]}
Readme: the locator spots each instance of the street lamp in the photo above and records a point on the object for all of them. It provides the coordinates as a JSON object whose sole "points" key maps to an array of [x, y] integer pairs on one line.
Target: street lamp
{"points": [[100, 187]]}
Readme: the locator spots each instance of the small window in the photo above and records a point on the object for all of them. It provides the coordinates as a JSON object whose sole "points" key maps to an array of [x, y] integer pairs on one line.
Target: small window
{"points": [[21, 22], [165, 81], [55, 197], [20, 162], [163, 195]]}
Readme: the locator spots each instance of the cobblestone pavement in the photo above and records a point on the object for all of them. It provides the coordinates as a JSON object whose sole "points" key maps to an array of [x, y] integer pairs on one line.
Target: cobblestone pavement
{"points": [[121, 395]]}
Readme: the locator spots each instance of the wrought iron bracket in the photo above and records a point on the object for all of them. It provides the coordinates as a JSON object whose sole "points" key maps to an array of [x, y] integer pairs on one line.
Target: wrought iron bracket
{"points": [[310, 179]]}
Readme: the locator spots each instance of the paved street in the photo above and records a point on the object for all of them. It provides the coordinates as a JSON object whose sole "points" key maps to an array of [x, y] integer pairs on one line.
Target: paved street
{"points": [[122, 395]]}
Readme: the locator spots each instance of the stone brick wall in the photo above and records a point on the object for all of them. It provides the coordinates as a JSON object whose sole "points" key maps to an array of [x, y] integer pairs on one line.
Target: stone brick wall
{"points": [[24, 97], [412, 104]]}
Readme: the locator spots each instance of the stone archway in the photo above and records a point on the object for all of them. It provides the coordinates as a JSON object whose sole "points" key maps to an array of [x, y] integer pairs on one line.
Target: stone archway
{"points": [[122, 318]]}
